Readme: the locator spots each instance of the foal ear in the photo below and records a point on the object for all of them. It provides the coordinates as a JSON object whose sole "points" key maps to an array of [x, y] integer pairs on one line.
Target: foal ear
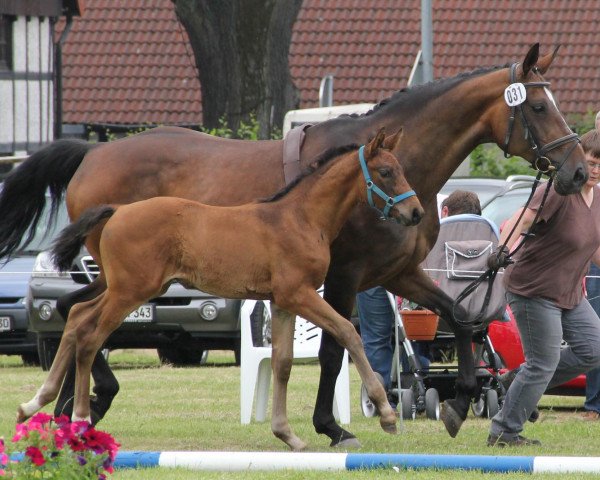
{"points": [[375, 144], [545, 62], [531, 58], [391, 142]]}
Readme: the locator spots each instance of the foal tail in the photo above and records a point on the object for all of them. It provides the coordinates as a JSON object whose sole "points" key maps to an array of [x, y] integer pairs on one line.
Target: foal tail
{"points": [[23, 195], [69, 242]]}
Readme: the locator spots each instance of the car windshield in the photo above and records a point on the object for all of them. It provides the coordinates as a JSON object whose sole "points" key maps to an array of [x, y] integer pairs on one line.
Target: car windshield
{"points": [[502, 207]]}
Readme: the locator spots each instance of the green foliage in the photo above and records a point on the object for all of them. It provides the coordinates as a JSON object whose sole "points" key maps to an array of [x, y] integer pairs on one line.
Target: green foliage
{"points": [[582, 123], [489, 161], [247, 130]]}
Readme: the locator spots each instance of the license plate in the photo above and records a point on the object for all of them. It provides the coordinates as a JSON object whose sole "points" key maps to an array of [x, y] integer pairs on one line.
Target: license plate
{"points": [[5, 324], [143, 314]]}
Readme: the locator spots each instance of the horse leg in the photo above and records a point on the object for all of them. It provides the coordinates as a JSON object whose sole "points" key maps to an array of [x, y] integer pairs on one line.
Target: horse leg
{"points": [[106, 386], [418, 287], [307, 303], [331, 355], [282, 331], [50, 388]]}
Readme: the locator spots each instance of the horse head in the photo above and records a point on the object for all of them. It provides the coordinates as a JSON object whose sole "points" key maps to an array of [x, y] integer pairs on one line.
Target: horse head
{"points": [[527, 122], [387, 187]]}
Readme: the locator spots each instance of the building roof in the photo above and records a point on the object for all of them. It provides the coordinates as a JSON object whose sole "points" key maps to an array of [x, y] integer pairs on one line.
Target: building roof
{"points": [[129, 62]]}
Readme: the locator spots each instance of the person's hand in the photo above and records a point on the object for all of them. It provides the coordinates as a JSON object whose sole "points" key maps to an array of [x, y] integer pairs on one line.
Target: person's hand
{"points": [[500, 258]]}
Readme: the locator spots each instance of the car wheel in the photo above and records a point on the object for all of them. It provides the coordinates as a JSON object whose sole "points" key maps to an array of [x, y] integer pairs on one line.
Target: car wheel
{"points": [[31, 359], [47, 348], [260, 325], [182, 356]]}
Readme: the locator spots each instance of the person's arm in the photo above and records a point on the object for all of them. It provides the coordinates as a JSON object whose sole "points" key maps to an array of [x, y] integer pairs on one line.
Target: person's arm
{"points": [[596, 257], [524, 224]]}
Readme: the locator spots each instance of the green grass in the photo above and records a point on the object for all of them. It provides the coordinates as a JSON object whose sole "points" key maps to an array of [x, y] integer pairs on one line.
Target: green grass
{"points": [[165, 408]]}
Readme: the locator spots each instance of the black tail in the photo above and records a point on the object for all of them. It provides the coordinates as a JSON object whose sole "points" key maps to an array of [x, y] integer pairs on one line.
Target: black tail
{"points": [[23, 195], [69, 242]]}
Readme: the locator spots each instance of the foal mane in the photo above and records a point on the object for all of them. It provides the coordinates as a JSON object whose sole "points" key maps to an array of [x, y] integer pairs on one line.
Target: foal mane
{"points": [[323, 159]]}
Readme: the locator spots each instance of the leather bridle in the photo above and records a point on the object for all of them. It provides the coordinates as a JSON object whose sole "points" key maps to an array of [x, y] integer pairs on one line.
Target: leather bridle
{"points": [[542, 163]]}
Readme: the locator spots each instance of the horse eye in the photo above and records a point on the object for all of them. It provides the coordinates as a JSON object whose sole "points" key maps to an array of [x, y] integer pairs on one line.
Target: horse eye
{"points": [[384, 172], [539, 108]]}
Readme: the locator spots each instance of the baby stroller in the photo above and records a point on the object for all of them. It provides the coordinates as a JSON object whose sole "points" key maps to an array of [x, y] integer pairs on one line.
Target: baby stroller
{"points": [[457, 259]]}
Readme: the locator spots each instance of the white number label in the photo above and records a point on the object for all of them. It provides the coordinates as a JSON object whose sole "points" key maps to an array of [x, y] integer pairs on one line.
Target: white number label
{"points": [[515, 94]]}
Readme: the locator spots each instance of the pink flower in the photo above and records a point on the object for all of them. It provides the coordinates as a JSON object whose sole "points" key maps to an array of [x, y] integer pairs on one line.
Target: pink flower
{"points": [[22, 431], [36, 455]]}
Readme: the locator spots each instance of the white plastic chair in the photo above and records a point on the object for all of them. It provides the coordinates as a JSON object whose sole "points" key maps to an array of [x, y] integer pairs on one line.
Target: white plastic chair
{"points": [[255, 371]]}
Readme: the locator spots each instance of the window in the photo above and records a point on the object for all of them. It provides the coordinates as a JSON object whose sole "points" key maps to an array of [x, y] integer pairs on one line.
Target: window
{"points": [[6, 23]]}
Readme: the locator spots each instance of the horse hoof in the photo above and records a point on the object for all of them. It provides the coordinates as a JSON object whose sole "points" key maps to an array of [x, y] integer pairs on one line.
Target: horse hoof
{"points": [[452, 420], [348, 443]]}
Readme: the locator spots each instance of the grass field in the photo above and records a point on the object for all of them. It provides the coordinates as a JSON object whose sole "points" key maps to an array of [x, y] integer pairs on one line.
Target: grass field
{"points": [[164, 408]]}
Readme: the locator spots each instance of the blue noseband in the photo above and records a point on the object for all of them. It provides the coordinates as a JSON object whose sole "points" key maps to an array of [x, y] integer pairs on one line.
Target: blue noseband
{"points": [[372, 188]]}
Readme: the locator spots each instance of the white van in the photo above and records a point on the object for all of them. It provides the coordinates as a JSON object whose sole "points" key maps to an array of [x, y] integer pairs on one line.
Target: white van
{"points": [[294, 118]]}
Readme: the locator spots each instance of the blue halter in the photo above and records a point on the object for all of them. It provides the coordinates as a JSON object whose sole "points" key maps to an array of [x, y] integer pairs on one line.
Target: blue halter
{"points": [[371, 187]]}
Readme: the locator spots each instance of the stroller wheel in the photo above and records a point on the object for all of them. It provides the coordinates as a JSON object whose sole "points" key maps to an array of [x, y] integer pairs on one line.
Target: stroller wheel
{"points": [[491, 403], [432, 404], [478, 406], [409, 407], [366, 405]]}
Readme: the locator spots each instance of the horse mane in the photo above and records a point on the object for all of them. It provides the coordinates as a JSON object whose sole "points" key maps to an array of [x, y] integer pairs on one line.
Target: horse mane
{"points": [[431, 89], [314, 166]]}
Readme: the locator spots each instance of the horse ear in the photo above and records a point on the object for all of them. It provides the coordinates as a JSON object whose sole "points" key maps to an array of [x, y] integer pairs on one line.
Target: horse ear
{"points": [[545, 62], [531, 58], [375, 144], [392, 142]]}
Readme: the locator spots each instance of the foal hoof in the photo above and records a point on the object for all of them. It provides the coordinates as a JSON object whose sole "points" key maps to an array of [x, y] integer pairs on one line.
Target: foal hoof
{"points": [[389, 427], [21, 415], [452, 420]]}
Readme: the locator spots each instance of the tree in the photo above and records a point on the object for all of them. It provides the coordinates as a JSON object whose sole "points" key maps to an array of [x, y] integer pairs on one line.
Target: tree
{"points": [[241, 49]]}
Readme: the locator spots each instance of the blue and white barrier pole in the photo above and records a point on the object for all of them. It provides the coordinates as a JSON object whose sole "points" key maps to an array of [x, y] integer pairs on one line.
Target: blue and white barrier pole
{"points": [[238, 461]]}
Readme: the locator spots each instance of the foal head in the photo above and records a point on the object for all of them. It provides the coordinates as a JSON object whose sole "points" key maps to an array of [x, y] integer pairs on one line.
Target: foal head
{"points": [[386, 186]]}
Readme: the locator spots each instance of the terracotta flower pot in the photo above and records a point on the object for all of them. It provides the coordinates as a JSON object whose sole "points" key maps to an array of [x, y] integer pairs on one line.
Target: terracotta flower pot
{"points": [[420, 324]]}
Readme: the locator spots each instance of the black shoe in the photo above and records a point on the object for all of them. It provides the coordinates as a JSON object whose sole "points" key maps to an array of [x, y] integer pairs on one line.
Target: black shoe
{"points": [[506, 380], [503, 440]]}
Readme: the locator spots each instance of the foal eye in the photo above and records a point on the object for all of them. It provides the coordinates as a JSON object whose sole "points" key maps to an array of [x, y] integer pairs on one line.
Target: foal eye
{"points": [[384, 172]]}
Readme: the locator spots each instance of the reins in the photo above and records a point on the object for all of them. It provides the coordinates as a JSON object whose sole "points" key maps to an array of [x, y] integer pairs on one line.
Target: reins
{"points": [[372, 188], [544, 166]]}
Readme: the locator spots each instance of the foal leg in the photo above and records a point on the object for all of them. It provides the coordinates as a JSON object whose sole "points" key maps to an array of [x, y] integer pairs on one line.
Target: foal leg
{"points": [[282, 330], [307, 303], [101, 317], [106, 386], [50, 388], [419, 288]]}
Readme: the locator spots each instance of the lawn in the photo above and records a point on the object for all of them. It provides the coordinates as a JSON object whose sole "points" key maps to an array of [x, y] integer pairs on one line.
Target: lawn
{"points": [[164, 408]]}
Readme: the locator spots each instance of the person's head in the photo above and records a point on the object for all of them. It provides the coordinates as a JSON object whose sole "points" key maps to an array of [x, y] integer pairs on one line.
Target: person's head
{"points": [[460, 201], [590, 142]]}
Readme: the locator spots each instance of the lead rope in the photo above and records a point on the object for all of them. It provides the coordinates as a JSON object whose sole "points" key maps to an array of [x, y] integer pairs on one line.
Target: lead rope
{"points": [[490, 273]]}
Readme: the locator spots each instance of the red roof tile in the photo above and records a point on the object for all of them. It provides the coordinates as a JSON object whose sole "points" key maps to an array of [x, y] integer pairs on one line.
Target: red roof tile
{"points": [[131, 63]]}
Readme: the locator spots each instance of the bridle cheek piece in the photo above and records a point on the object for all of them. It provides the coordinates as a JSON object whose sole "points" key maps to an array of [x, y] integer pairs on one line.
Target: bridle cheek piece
{"points": [[542, 163]]}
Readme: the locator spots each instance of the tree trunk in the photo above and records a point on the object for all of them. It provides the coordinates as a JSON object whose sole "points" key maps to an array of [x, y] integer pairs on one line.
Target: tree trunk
{"points": [[241, 49]]}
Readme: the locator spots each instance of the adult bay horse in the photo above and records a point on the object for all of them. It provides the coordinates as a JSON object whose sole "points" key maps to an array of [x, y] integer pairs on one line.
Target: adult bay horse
{"points": [[443, 121], [285, 256]]}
